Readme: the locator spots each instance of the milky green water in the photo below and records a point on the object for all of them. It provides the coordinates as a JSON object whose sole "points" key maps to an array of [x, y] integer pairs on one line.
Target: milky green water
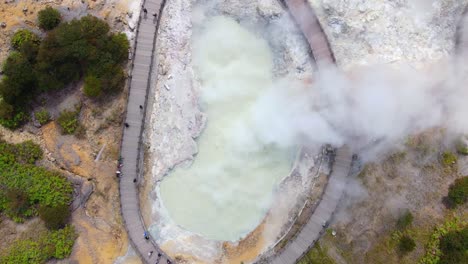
{"points": [[228, 189]]}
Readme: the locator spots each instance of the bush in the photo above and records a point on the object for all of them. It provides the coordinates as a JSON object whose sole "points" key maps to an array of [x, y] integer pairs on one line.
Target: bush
{"points": [[74, 49], [68, 121], [458, 191], [25, 186], [42, 116], [462, 147], [26, 153], [406, 244], [14, 122], [405, 220], [17, 204], [55, 217], [448, 159], [49, 18], [92, 86], [454, 247], [55, 244], [23, 35]]}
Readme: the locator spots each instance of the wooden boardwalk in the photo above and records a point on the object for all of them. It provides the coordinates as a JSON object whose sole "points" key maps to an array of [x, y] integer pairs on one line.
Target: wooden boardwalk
{"points": [[131, 141], [310, 26], [310, 233], [295, 249]]}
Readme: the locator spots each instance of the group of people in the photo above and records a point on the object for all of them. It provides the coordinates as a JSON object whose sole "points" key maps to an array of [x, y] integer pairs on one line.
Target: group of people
{"points": [[119, 165], [146, 236], [145, 11]]}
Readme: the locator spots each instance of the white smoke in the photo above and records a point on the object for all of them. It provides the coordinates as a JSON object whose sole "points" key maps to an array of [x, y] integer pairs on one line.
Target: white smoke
{"points": [[369, 110]]}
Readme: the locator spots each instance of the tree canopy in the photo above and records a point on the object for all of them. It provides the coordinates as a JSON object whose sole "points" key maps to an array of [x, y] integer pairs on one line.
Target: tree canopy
{"points": [[79, 48]]}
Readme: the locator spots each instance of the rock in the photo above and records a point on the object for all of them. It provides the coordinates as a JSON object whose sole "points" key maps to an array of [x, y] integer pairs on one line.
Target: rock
{"points": [[267, 9], [338, 26]]}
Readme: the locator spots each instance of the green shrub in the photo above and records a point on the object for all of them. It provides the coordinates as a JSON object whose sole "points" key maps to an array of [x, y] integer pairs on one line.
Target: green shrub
{"points": [[454, 247], [68, 121], [462, 147], [53, 244], [74, 49], [42, 116], [25, 186], [316, 255], [14, 122], [55, 217], [448, 159], [406, 244], [6, 109], [405, 220], [49, 18], [92, 86], [458, 191], [28, 152], [23, 35], [17, 204]]}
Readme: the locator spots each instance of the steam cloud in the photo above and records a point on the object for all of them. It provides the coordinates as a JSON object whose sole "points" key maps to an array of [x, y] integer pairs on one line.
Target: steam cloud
{"points": [[369, 110]]}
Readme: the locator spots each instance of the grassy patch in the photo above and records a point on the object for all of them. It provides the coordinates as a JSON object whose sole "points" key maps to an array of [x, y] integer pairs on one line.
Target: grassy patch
{"points": [[432, 248], [458, 191], [448, 159], [405, 220], [68, 121], [42, 116], [51, 244], [317, 255], [24, 186]]}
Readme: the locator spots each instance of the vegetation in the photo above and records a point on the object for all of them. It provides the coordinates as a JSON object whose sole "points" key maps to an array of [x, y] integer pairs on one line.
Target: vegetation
{"points": [[49, 18], [405, 220], [72, 50], [42, 116], [25, 187], [406, 244], [55, 217], [317, 255], [433, 247], [462, 147], [448, 159], [53, 244], [454, 247], [68, 121], [458, 191], [23, 36]]}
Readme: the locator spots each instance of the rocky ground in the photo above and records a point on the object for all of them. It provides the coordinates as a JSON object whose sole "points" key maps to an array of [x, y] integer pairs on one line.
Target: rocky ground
{"points": [[96, 216]]}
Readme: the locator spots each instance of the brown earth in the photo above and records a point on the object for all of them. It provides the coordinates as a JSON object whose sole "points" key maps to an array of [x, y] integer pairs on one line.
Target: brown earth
{"points": [[413, 179], [102, 237]]}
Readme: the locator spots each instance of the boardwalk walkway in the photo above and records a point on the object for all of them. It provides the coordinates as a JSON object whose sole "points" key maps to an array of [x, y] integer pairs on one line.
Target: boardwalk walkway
{"points": [[308, 22], [131, 140]]}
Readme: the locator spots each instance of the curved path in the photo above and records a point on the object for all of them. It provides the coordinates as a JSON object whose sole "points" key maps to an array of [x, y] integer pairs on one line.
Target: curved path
{"points": [[131, 140], [295, 249]]}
